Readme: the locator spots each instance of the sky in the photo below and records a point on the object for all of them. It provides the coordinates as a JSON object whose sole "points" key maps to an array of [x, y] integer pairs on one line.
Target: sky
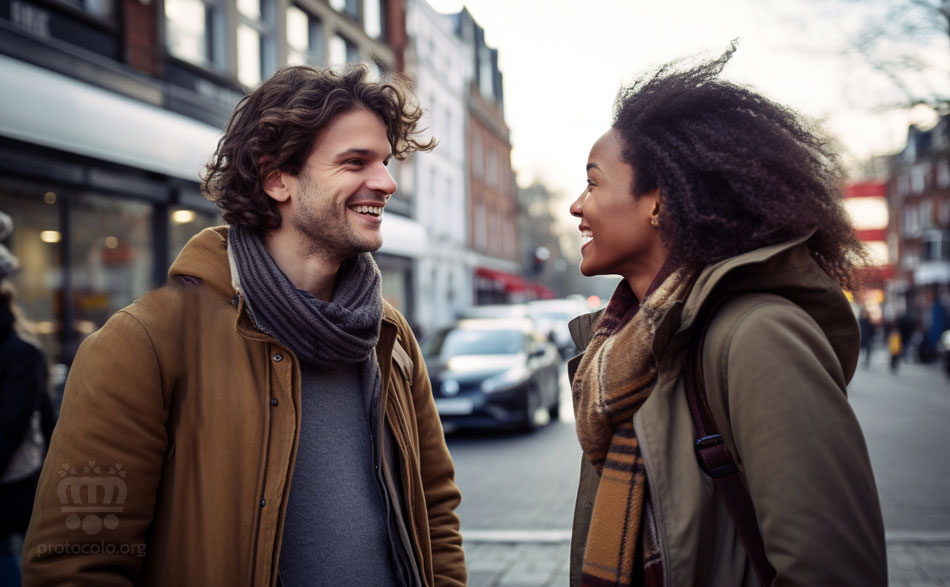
{"points": [[563, 62]]}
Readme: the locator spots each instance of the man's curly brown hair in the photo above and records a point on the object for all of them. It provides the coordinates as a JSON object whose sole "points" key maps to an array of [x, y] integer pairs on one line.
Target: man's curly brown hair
{"points": [[735, 170], [275, 127]]}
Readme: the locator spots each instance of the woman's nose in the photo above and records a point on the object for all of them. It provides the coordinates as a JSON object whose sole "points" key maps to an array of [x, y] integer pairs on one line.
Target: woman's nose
{"points": [[577, 207]]}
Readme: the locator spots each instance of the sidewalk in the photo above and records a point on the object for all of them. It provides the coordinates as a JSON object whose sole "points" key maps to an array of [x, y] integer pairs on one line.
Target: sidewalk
{"points": [[912, 561]]}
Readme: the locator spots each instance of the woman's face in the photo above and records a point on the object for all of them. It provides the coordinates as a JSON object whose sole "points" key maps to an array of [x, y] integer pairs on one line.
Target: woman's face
{"points": [[616, 230]]}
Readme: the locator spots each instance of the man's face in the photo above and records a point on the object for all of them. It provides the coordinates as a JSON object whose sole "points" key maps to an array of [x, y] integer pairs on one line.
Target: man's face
{"points": [[337, 200]]}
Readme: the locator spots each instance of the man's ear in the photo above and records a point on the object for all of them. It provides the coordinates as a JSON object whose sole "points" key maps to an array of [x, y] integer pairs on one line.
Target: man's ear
{"points": [[276, 186]]}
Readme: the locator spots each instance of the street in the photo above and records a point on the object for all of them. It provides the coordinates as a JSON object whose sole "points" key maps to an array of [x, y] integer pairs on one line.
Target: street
{"points": [[518, 490]]}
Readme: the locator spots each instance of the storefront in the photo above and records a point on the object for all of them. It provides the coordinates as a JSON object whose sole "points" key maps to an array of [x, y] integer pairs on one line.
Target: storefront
{"points": [[90, 237], [103, 193]]}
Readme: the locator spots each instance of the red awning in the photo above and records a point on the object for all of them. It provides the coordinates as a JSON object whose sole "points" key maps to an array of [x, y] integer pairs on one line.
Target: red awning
{"points": [[508, 281], [866, 189]]}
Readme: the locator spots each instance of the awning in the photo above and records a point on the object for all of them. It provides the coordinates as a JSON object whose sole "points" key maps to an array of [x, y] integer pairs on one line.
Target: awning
{"points": [[506, 281]]}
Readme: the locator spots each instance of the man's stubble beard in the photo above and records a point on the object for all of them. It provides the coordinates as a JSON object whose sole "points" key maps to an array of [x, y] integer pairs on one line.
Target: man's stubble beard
{"points": [[325, 226]]}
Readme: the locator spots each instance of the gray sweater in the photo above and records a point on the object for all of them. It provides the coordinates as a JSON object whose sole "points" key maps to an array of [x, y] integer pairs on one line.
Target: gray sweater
{"points": [[335, 531]]}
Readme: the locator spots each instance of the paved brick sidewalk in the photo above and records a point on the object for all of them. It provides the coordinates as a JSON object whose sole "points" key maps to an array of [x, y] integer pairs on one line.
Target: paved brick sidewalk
{"points": [[533, 564]]}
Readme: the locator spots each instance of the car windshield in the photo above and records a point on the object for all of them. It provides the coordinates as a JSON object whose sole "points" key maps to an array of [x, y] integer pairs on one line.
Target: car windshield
{"points": [[480, 342]]}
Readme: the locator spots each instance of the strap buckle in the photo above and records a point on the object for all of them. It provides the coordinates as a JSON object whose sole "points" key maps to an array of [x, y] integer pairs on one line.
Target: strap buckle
{"points": [[713, 456]]}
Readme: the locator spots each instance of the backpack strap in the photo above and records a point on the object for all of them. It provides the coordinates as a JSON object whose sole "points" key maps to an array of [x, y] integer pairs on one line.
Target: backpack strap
{"points": [[714, 458]]}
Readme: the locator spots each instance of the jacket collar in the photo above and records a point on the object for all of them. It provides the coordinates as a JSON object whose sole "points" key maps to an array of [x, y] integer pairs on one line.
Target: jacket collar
{"points": [[786, 269]]}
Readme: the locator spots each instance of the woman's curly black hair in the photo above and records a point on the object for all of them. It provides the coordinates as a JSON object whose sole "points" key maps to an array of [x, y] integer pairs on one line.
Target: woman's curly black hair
{"points": [[275, 128], [735, 170]]}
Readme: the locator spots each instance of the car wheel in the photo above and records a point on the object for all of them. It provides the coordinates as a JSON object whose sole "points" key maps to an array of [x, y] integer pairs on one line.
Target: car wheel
{"points": [[555, 410], [532, 401]]}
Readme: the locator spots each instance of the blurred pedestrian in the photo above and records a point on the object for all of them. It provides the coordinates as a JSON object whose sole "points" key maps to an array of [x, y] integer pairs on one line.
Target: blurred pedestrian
{"points": [[719, 208], [266, 418], [867, 335], [26, 416], [894, 346]]}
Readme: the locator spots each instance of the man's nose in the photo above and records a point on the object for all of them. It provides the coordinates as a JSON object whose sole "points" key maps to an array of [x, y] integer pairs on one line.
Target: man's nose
{"points": [[381, 180]]}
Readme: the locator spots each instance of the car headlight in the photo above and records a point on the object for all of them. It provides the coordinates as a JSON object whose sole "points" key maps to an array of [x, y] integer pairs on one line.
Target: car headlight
{"points": [[507, 379]]}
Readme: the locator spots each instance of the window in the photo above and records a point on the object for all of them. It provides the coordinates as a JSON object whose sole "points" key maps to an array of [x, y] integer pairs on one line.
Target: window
{"points": [[254, 50], [943, 174], [342, 50], [936, 247], [189, 26], [911, 223], [918, 177], [348, 7], [477, 156], [481, 238], [373, 18], [491, 166], [926, 213], [111, 254], [185, 223], [304, 38], [36, 241], [485, 73], [100, 9]]}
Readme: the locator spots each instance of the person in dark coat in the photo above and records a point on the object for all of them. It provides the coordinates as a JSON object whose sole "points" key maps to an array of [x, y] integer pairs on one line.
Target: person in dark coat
{"points": [[867, 335], [26, 417]]}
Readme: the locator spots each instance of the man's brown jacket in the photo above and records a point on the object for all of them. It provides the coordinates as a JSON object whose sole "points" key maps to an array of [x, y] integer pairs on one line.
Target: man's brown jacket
{"points": [[172, 460]]}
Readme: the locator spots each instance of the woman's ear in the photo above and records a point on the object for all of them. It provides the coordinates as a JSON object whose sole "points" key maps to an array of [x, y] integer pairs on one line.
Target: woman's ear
{"points": [[654, 197]]}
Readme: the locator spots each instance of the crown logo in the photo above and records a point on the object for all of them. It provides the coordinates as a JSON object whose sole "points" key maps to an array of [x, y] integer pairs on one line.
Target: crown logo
{"points": [[91, 497]]}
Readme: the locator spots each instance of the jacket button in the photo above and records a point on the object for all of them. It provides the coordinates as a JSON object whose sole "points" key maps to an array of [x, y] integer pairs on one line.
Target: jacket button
{"points": [[278, 357], [273, 402], [263, 502]]}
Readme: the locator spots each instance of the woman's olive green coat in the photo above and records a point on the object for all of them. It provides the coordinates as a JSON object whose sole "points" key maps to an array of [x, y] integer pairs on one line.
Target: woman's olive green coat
{"points": [[777, 358]]}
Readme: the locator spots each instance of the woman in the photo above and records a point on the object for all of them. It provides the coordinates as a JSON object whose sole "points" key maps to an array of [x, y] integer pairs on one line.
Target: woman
{"points": [[721, 212]]}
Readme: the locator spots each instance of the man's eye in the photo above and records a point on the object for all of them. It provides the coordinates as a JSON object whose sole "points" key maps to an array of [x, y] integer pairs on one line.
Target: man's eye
{"points": [[353, 162]]}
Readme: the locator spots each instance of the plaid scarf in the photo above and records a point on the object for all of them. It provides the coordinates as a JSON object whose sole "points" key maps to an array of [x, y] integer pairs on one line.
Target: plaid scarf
{"points": [[614, 378]]}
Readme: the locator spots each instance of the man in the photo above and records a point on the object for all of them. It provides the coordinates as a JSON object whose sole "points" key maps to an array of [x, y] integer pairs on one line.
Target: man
{"points": [[266, 418]]}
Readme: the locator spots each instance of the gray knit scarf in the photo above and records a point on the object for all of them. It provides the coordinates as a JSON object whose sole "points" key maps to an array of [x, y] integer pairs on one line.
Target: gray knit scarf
{"points": [[322, 334]]}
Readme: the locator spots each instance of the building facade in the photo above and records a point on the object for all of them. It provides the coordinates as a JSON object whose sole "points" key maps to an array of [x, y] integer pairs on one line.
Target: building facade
{"points": [[919, 233], [492, 205], [441, 67], [110, 109]]}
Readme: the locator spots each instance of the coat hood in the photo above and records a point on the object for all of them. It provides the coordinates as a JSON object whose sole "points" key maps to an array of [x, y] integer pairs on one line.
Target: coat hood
{"points": [[205, 257], [785, 269]]}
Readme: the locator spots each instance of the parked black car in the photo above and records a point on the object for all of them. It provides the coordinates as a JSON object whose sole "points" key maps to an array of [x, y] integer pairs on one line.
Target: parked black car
{"points": [[492, 372]]}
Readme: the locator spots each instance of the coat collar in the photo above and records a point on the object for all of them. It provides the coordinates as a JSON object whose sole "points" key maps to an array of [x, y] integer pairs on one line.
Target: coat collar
{"points": [[786, 269]]}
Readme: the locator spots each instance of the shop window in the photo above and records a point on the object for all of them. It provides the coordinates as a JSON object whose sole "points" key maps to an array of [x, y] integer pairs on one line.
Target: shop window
{"points": [[37, 243], [184, 223], [304, 38], [111, 258]]}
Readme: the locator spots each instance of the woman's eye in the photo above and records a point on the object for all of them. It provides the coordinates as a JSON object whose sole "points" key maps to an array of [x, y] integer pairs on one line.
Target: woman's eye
{"points": [[590, 183]]}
